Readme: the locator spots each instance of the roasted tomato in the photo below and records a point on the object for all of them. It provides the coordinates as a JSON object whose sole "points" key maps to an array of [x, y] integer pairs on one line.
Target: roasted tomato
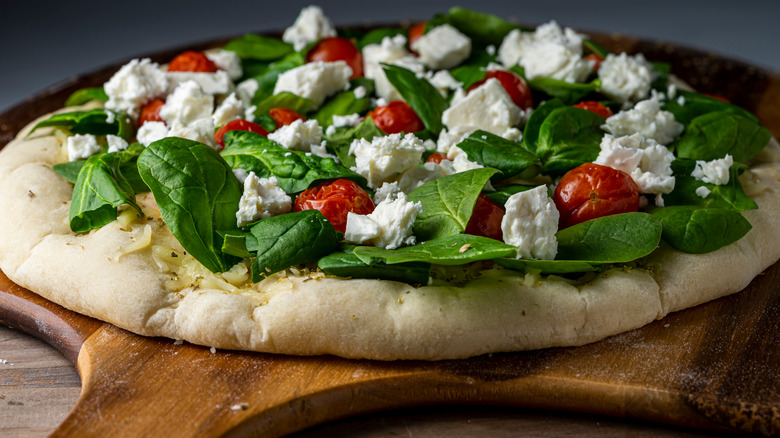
{"points": [[334, 199], [150, 112], [397, 116], [437, 158], [596, 58], [415, 32], [333, 49], [513, 84], [192, 61], [284, 116], [596, 107], [237, 125], [486, 219], [591, 191]]}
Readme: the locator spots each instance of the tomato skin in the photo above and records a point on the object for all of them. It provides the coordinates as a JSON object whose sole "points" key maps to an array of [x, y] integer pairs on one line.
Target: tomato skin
{"points": [[596, 107], [414, 34], [515, 86], [591, 191], [150, 112], [284, 116], [594, 57], [397, 116], [486, 219], [717, 96], [192, 61], [237, 125], [437, 158], [333, 49], [335, 199]]}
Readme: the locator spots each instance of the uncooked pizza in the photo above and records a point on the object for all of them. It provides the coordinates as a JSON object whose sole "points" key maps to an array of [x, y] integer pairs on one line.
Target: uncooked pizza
{"points": [[460, 187]]}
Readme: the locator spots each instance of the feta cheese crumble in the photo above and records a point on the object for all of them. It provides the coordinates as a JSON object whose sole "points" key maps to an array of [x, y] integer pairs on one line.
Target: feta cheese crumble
{"points": [[703, 192], [648, 163], [530, 224], [186, 104], [201, 130], [230, 109], [645, 118], [227, 60], [315, 80], [392, 50], [487, 107], [299, 135], [388, 226], [136, 83], [262, 198], [82, 146], [626, 78], [116, 144], [150, 132], [218, 82], [442, 47], [383, 158], [713, 172], [310, 26]]}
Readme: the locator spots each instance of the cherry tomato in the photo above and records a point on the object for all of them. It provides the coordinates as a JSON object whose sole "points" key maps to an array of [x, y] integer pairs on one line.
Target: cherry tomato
{"points": [[334, 199], [397, 116], [150, 112], [437, 158], [192, 61], [237, 125], [486, 219], [415, 32], [513, 84], [284, 116], [338, 49], [717, 96], [594, 57], [596, 107], [590, 191]]}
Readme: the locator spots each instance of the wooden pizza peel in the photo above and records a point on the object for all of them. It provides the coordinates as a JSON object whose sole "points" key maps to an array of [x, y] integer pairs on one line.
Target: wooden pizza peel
{"points": [[716, 366]]}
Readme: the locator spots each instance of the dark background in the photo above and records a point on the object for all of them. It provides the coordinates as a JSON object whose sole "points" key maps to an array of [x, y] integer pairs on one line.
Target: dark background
{"points": [[45, 42]]}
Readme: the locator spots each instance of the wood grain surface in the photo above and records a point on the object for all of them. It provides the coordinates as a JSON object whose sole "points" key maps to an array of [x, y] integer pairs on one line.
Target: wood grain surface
{"points": [[715, 367]]}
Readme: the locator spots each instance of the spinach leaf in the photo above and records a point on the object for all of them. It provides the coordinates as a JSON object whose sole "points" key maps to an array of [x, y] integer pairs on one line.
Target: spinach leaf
{"points": [[95, 122], [569, 137], [99, 189], [128, 168], [700, 230], [484, 28], [502, 193], [568, 93], [662, 70], [450, 250], [423, 97], [713, 135], [377, 35], [729, 196], [295, 170], [510, 158], [548, 266], [447, 203], [534, 124], [69, 170], [468, 75], [346, 264], [267, 80], [197, 194], [696, 104], [290, 239], [619, 238], [284, 100], [234, 243], [339, 142], [345, 103], [595, 48], [259, 47], [84, 95]]}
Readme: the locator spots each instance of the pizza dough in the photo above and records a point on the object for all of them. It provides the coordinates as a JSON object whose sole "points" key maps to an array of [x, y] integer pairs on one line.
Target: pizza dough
{"points": [[155, 289]]}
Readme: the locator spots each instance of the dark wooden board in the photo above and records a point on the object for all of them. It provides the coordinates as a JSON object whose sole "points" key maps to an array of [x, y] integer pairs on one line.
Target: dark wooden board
{"points": [[716, 366]]}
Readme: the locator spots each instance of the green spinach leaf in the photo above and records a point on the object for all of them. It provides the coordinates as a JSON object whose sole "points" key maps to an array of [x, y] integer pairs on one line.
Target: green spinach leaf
{"points": [[377, 35], [259, 47], [345, 103], [566, 91], [595, 48], [284, 100], [700, 230], [510, 158], [713, 135], [423, 97], [267, 79], [534, 124], [468, 75], [569, 137], [480, 27], [619, 238], [695, 105], [450, 250], [729, 196], [95, 122], [339, 142], [84, 95], [503, 192], [346, 264]]}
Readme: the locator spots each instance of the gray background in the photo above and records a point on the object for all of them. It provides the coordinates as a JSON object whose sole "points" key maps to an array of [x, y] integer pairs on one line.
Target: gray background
{"points": [[45, 42]]}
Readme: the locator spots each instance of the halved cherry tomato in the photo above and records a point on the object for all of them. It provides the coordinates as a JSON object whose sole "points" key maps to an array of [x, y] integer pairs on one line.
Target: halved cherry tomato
{"points": [[513, 84], [335, 199], [237, 125], [415, 32], [397, 116], [284, 116], [437, 158], [192, 61], [596, 107], [333, 49], [486, 219], [150, 112], [717, 96], [594, 57], [591, 191]]}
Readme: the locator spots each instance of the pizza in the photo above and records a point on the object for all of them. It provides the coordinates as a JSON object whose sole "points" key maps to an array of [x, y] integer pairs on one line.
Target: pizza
{"points": [[461, 187]]}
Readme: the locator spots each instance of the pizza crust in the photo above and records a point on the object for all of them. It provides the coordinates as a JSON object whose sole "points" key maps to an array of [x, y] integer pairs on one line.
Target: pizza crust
{"points": [[304, 314]]}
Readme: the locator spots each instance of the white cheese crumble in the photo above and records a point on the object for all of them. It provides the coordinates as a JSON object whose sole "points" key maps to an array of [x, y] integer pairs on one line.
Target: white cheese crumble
{"points": [[388, 226], [442, 47], [392, 50], [82, 146], [350, 120], [645, 118], [136, 83], [150, 132], [186, 104], [648, 163], [315, 80], [218, 82], [360, 92], [530, 224], [228, 61], [310, 26], [383, 158], [703, 192], [299, 135], [115, 143], [230, 109], [245, 90], [262, 198], [388, 191], [444, 82], [626, 78], [201, 130], [487, 107], [713, 172]]}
